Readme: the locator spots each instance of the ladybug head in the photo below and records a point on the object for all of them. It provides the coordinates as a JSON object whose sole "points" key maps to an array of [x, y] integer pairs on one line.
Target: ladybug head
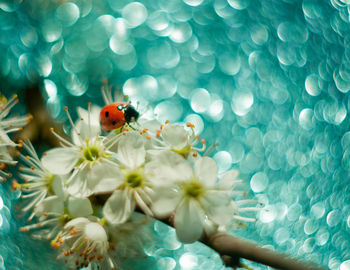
{"points": [[130, 113]]}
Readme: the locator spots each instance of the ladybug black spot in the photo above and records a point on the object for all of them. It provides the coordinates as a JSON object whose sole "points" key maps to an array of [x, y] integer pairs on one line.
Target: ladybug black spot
{"points": [[113, 123], [131, 115], [106, 114]]}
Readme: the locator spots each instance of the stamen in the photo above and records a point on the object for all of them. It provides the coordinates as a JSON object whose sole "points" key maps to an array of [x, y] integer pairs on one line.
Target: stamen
{"points": [[72, 124], [73, 231], [81, 244], [11, 162], [14, 184], [89, 118], [249, 209], [8, 106], [106, 94], [244, 218], [190, 125], [247, 201], [53, 242], [60, 138]]}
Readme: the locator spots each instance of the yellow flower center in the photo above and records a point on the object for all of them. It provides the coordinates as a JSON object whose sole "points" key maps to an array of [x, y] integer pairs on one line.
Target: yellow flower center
{"points": [[193, 189], [134, 179], [183, 151], [91, 153]]}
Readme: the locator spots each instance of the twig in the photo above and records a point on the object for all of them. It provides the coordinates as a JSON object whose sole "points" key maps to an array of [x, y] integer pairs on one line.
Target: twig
{"points": [[236, 248]]}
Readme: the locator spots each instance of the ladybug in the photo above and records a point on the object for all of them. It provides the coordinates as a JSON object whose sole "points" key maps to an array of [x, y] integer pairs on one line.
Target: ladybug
{"points": [[115, 115]]}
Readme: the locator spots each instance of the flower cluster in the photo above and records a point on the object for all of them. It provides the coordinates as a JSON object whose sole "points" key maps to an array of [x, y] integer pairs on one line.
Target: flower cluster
{"points": [[85, 193], [8, 125]]}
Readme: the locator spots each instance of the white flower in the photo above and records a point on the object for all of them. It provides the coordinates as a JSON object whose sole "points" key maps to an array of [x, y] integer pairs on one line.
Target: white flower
{"points": [[84, 242], [7, 126], [176, 138], [197, 196], [133, 185], [55, 211], [39, 182], [88, 158]]}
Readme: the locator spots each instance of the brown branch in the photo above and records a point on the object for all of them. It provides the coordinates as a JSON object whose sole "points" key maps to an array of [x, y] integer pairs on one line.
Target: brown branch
{"points": [[236, 248], [233, 248]]}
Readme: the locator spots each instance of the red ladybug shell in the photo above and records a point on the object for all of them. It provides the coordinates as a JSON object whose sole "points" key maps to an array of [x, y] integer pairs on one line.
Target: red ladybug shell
{"points": [[112, 116]]}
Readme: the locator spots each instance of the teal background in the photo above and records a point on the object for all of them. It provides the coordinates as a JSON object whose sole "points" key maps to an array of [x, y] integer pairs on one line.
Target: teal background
{"points": [[266, 80]]}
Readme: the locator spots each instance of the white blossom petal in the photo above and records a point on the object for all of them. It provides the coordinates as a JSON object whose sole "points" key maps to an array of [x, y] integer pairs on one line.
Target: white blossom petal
{"points": [[175, 135], [76, 222], [94, 115], [131, 151], [57, 186], [104, 177], [106, 185], [77, 183], [79, 207], [60, 160], [151, 125], [206, 170], [52, 204], [216, 204], [165, 201], [119, 207], [168, 167], [228, 180], [141, 202], [85, 131], [189, 220]]}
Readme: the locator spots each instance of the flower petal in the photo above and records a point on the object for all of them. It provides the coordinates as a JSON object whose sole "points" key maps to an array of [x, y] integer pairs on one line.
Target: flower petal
{"points": [[141, 202], [228, 179], [77, 183], [85, 131], [206, 170], [119, 207], [57, 186], [76, 222], [94, 115], [216, 204], [79, 207], [104, 177], [165, 201], [60, 160], [52, 204], [189, 220], [131, 151], [175, 135], [105, 185], [167, 167]]}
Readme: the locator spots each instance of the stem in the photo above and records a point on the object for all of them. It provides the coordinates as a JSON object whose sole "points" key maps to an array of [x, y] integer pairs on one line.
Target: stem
{"points": [[236, 248], [232, 249]]}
